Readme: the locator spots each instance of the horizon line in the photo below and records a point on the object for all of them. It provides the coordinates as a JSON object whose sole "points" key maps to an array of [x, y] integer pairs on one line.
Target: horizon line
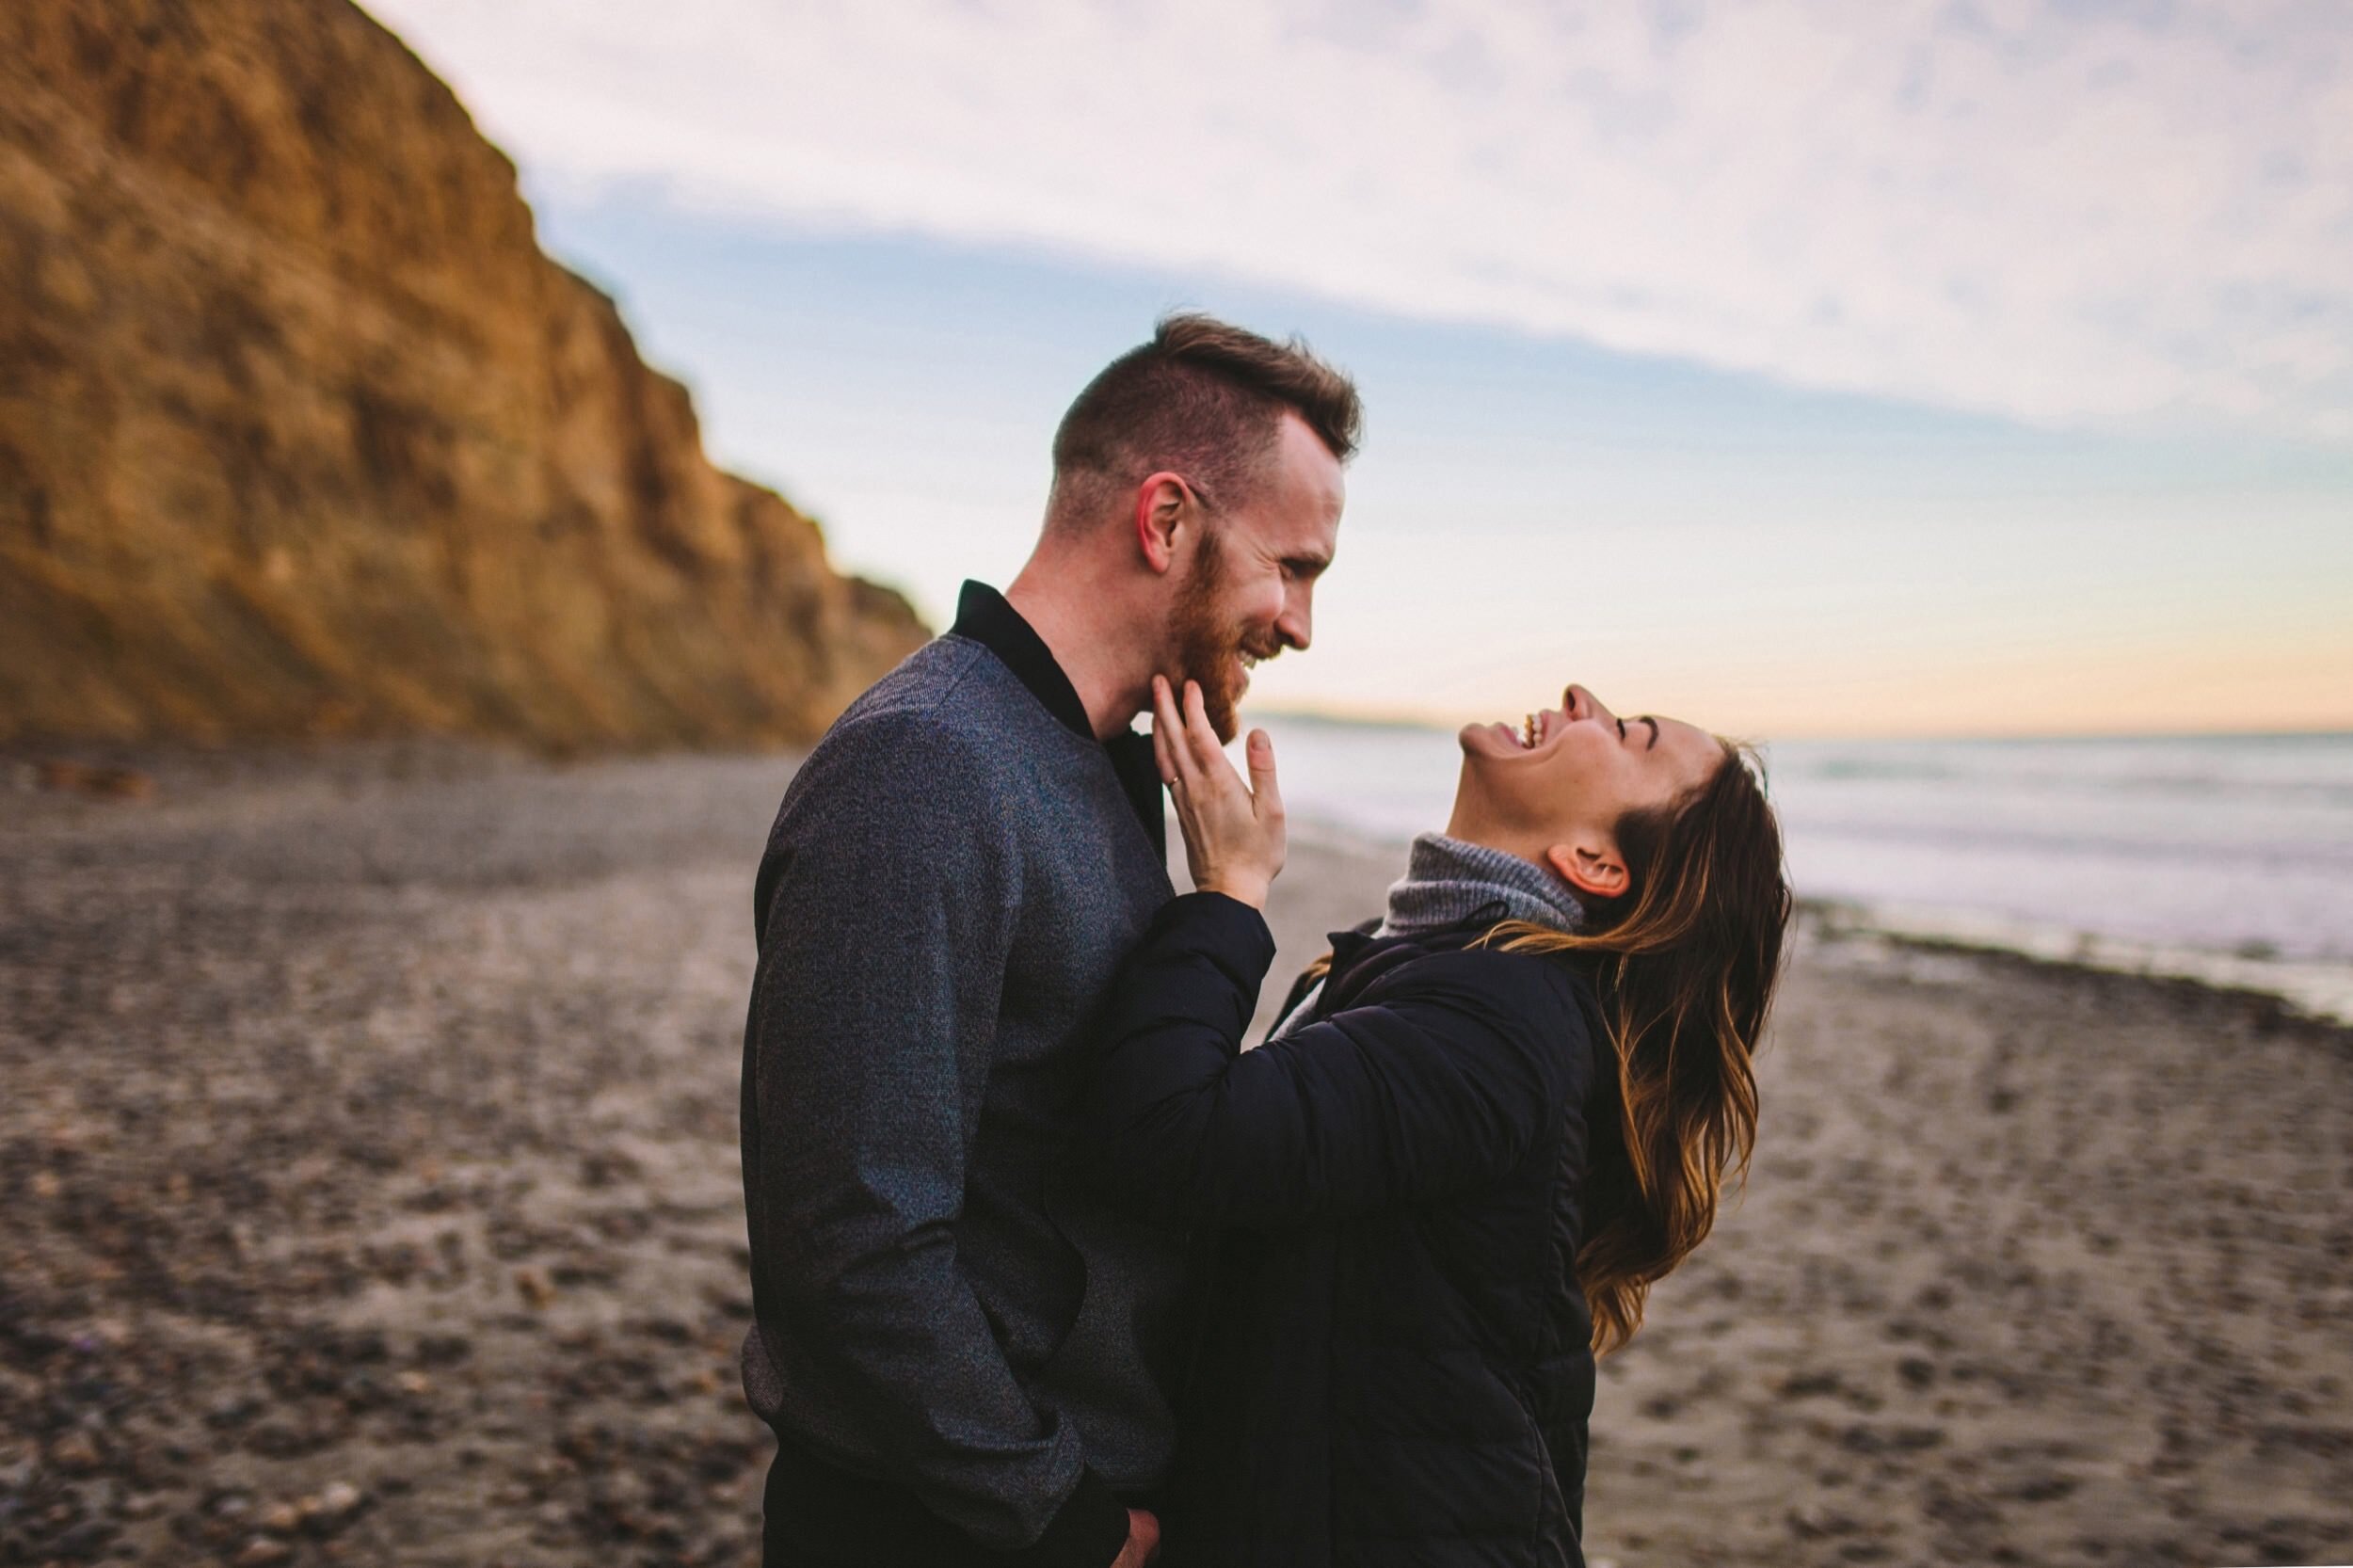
{"points": [[1407, 719]]}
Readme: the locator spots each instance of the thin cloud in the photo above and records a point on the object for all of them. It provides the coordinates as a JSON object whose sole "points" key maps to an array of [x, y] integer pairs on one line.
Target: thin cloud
{"points": [[2130, 216]]}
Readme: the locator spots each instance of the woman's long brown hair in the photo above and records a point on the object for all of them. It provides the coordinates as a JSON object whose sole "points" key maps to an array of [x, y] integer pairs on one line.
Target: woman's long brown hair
{"points": [[1684, 963]]}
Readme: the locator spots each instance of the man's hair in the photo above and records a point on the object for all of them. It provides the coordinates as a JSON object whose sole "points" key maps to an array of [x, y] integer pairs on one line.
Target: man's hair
{"points": [[1203, 399]]}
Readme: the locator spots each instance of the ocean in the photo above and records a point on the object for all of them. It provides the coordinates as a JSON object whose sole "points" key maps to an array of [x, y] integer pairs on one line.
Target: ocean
{"points": [[2224, 860]]}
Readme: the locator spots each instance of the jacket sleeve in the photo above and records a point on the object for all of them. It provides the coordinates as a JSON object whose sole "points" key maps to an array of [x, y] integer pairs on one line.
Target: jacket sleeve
{"points": [[1439, 1079], [887, 901]]}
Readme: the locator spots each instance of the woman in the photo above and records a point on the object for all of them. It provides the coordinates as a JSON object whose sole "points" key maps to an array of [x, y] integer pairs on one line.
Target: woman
{"points": [[1451, 1175]]}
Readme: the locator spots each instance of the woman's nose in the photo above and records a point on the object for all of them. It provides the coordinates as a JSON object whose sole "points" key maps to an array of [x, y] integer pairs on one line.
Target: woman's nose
{"points": [[1583, 704]]}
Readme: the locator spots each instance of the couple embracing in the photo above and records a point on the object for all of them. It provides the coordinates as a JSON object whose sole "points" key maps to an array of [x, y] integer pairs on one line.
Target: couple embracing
{"points": [[1050, 1267]]}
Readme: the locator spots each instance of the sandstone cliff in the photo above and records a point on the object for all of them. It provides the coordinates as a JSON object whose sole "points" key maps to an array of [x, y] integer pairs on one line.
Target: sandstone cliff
{"points": [[301, 433]]}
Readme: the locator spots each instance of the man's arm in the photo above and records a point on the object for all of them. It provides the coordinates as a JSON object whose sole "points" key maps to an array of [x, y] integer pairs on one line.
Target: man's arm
{"points": [[890, 892]]}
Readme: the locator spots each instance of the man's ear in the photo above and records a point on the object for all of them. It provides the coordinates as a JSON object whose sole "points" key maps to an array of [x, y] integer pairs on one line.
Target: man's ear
{"points": [[1591, 867], [1159, 510]]}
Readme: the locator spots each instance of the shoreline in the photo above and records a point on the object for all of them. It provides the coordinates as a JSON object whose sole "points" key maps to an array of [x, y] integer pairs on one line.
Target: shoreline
{"points": [[2310, 992], [2317, 996]]}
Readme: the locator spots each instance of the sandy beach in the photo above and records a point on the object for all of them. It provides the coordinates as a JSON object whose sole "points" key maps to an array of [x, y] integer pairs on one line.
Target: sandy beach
{"points": [[368, 1153]]}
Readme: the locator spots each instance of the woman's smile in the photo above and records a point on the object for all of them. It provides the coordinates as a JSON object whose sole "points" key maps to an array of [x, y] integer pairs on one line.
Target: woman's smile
{"points": [[1537, 731]]}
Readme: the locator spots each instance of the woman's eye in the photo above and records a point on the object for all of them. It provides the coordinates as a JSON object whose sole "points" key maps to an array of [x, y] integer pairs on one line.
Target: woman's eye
{"points": [[1621, 730]]}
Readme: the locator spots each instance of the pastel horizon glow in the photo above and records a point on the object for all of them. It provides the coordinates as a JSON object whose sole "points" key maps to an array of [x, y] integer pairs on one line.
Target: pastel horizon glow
{"points": [[1949, 369]]}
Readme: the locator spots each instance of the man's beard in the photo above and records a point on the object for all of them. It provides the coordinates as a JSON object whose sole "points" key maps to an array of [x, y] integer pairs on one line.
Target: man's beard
{"points": [[1206, 644]]}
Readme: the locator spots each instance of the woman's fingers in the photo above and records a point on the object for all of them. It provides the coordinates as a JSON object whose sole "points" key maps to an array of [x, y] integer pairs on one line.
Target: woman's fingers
{"points": [[1164, 729], [1233, 832], [1188, 751], [1169, 720], [1207, 752]]}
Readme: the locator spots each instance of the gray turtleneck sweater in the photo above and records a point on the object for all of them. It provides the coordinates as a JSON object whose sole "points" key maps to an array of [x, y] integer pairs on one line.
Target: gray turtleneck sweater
{"points": [[1449, 882]]}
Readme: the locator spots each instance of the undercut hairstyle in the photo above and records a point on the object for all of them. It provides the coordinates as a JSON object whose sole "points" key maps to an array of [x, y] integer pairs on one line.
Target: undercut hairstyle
{"points": [[1203, 399]]}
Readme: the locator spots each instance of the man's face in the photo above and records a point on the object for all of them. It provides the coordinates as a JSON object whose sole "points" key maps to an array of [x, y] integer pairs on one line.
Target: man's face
{"points": [[1251, 590]]}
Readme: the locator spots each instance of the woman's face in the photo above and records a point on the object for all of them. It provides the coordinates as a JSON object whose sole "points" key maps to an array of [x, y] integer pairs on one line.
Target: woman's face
{"points": [[1561, 778]]}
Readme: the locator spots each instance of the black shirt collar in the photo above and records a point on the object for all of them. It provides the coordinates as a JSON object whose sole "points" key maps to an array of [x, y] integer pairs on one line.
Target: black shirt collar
{"points": [[984, 615]]}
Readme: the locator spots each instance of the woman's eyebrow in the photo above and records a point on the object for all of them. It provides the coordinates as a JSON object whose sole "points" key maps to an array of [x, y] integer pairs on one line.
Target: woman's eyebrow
{"points": [[1653, 732]]}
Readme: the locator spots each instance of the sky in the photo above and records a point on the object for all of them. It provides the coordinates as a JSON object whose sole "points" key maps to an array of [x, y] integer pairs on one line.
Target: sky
{"points": [[1801, 370]]}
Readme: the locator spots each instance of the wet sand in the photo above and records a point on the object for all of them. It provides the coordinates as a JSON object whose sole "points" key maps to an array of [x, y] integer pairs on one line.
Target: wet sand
{"points": [[368, 1154]]}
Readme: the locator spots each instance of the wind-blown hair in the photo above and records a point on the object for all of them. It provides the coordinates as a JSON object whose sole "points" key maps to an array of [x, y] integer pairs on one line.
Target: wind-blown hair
{"points": [[1684, 963]]}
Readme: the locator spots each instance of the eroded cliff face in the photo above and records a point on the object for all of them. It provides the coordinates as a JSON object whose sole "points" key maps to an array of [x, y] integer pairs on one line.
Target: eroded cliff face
{"points": [[301, 433]]}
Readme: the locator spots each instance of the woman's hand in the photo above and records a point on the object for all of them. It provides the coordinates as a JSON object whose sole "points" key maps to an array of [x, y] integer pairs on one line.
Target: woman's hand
{"points": [[1234, 838]]}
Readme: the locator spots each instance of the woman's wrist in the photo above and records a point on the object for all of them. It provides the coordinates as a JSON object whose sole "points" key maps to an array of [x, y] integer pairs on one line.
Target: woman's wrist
{"points": [[1239, 886]]}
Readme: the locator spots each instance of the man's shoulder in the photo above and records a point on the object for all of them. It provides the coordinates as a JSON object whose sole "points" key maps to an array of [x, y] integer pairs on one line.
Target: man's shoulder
{"points": [[949, 688], [935, 735]]}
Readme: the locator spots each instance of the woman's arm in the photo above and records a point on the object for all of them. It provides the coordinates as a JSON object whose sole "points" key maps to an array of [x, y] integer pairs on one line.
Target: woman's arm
{"points": [[1445, 1075]]}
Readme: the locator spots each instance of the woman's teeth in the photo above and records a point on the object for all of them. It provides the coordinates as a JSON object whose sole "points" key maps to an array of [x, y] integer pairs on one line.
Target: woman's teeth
{"points": [[1528, 734]]}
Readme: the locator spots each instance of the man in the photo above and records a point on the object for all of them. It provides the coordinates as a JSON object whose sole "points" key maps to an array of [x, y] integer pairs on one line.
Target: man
{"points": [[967, 1357]]}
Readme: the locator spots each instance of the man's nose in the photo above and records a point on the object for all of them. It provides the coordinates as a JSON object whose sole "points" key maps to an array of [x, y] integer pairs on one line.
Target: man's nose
{"points": [[1296, 624]]}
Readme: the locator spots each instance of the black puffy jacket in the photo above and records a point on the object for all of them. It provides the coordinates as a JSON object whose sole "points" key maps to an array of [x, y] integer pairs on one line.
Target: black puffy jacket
{"points": [[1395, 1365]]}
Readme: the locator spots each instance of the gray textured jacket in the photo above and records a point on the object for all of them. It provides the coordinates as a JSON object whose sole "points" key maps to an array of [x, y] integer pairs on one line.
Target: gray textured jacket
{"points": [[954, 879]]}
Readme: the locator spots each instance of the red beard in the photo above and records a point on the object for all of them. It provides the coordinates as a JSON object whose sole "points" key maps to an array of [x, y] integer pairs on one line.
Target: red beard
{"points": [[1208, 645]]}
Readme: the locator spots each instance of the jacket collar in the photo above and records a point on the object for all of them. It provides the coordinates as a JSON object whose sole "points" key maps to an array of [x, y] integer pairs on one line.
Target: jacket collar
{"points": [[984, 615]]}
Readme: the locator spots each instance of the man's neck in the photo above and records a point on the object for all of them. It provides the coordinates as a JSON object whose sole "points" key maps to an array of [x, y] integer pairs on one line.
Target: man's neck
{"points": [[1081, 627]]}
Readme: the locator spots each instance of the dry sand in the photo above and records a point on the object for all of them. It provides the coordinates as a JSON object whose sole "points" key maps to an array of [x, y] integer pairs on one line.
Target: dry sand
{"points": [[368, 1156]]}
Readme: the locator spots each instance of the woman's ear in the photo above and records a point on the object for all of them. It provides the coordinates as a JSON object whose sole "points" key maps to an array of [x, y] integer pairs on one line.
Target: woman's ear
{"points": [[1592, 867]]}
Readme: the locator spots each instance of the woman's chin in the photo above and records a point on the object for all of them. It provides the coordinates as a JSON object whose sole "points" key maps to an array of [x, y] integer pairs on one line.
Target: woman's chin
{"points": [[1489, 740]]}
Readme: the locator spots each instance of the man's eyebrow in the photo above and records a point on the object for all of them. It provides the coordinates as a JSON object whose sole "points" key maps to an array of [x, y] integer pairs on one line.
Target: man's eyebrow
{"points": [[1653, 732], [1308, 566]]}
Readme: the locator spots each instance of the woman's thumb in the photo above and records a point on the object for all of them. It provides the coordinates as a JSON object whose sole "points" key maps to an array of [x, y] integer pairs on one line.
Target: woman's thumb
{"points": [[1260, 753]]}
